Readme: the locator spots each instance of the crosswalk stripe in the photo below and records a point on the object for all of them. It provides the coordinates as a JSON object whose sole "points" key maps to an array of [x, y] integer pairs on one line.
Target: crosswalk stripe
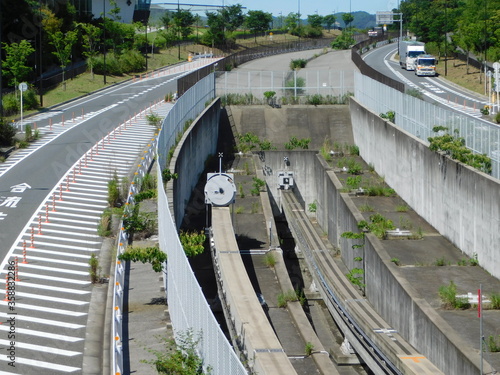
{"points": [[69, 233], [51, 269], [26, 306], [74, 195], [49, 322], [50, 365], [93, 221], [63, 207], [59, 261], [50, 287], [52, 252], [39, 348], [65, 239], [53, 278], [65, 201], [46, 227], [52, 299]]}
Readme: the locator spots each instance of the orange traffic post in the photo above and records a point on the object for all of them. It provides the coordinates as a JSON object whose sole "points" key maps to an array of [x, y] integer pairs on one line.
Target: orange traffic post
{"points": [[24, 253], [47, 213], [54, 202], [16, 269], [6, 288], [50, 123], [32, 237], [40, 224], [62, 120], [83, 114], [60, 191]]}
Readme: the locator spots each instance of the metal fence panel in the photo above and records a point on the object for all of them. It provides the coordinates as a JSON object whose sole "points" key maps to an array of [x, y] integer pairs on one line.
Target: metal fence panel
{"points": [[188, 307], [419, 117]]}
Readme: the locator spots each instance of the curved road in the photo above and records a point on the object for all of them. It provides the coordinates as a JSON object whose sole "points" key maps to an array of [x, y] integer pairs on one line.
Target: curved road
{"points": [[434, 89]]}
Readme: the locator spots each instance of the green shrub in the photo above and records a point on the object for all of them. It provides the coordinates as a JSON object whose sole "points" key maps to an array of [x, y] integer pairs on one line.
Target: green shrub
{"points": [[113, 192], [28, 134], [132, 61], [30, 99], [309, 348], [147, 194], [396, 261], [113, 66], [23, 144], [495, 301], [94, 268], [298, 64], [7, 133], [104, 225], [315, 99], [11, 104], [493, 344], [497, 118]]}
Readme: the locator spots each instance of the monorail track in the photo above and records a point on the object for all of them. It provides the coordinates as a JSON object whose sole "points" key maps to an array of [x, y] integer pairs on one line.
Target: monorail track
{"points": [[382, 348]]}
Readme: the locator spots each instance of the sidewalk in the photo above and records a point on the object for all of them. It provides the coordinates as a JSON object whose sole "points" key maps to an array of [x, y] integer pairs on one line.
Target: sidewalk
{"points": [[145, 321]]}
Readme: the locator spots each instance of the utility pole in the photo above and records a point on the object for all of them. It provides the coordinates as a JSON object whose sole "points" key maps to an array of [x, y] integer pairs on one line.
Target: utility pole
{"points": [[40, 46]]}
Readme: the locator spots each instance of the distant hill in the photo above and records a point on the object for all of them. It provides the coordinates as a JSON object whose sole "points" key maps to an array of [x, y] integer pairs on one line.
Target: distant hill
{"points": [[362, 20]]}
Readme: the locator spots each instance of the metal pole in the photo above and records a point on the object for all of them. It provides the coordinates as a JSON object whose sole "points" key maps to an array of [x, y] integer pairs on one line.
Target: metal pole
{"points": [[147, 45], [179, 41], [1, 88], [480, 313], [40, 82], [104, 37]]}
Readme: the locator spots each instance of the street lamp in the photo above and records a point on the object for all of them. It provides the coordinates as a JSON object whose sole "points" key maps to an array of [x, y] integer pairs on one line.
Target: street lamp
{"points": [[40, 80]]}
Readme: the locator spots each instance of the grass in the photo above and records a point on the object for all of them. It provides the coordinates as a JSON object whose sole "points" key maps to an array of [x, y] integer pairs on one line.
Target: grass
{"points": [[448, 295], [270, 260], [457, 73]]}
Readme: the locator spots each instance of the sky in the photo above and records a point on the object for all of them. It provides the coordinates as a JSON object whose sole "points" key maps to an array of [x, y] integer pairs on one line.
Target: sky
{"points": [[274, 7]]}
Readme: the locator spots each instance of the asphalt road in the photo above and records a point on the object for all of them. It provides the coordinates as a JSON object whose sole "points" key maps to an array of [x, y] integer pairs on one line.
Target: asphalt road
{"points": [[43, 169], [434, 89]]}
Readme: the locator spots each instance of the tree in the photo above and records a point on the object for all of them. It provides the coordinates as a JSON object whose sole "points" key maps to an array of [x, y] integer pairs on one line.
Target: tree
{"points": [[14, 66], [183, 19], [258, 21], [347, 18], [232, 16], [7, 133], [292, 23], [63, 43], [329, 21], [90, 37], [315, 20]]}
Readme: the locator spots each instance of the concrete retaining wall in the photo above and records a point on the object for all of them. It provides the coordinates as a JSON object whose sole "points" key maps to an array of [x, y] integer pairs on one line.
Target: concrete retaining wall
{"points": [[460, 202], [395, 299], [188, 161]]}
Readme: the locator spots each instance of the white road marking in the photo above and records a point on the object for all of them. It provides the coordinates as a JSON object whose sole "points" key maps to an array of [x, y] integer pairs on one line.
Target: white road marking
{"points": [[50, 287], [51, 269], [49, 365], [44, 309], [39, 348]]}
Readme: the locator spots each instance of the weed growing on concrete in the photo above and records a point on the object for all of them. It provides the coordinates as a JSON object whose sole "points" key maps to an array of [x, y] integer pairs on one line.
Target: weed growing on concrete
{"points": [[270, 259], [405, 223], [241, 191], [285, 297], [493, 344], [440, 262], [401, 208], [448, 295], [462, 262], [396, 261], [495, 301], [371, 168], [113, 191], [366, 208], [94, 269], [239, 210], [312, 207], [104, 226], [255, 207], [473, 261], [309, 348], [258, 185], [353, 182]]}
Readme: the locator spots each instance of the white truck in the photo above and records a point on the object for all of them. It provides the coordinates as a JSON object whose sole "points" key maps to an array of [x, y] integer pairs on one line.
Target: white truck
{"points": [[425, 65], [408, 53]]}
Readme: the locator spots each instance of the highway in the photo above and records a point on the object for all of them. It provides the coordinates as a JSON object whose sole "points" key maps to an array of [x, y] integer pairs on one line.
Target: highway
{"points": [[434, 89]]}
